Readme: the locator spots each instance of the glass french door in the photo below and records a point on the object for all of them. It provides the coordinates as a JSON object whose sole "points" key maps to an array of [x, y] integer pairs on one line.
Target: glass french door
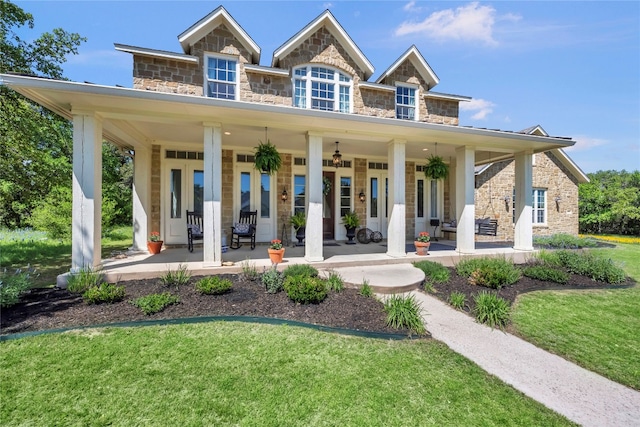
{"points": [[255, 191], [184, 190], [378, 203], [428, 205]]}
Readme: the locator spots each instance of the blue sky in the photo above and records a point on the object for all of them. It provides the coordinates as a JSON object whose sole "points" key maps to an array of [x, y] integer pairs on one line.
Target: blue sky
{"points": [[572, 67]]}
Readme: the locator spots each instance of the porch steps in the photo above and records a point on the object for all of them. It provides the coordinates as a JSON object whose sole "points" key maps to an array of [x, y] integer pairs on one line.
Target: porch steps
{"points": [[383, 279]]}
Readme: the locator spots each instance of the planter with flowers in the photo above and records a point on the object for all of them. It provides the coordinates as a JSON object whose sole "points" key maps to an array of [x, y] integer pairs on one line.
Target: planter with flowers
{"points": [[422, 243], [154, 245], [276, 251]]}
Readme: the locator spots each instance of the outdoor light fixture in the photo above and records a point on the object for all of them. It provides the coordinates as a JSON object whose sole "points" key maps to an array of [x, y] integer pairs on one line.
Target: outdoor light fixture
{"points": [[284, 196], [337, 157], [362, 196], [507, 199]]}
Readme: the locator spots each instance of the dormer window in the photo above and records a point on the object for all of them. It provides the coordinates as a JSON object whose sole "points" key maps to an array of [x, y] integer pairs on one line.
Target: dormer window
{"points": [[221, 75], [322, 88], [406, 102]]}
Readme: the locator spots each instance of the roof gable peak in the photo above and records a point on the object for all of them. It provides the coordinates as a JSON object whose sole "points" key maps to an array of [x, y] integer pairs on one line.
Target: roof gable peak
{"points": [[415, 57]]}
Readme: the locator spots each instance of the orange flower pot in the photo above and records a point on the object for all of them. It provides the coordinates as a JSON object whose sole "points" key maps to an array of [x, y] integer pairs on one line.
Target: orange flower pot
{"points": [[422, 248], [275, 255], [154, 247]]}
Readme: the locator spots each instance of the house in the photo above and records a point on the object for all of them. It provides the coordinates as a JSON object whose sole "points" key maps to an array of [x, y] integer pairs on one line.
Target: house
{"points": [[193, 118]]}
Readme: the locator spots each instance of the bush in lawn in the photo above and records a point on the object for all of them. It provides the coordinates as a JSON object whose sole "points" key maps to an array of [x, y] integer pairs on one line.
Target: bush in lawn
{"points": [[491, 310], [467, 266], [13, 286], [492, 272], [104, 293], [272, 280], [213, 285], [334, 282], [300, 270], [366, 290], [457, 300], [403, 311], [155, 303], [80, 282], [305, 290], [176, 278], [565, 241], [434, 272], [546, 273], [590, 265]]}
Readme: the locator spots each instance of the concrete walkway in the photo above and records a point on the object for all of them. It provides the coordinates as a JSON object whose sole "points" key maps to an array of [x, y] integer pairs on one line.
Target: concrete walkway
{"points": [[580, 395]]}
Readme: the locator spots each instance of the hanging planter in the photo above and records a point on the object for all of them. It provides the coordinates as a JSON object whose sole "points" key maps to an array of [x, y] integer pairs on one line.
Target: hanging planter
{"points": [[436, 168], [266, 158]]}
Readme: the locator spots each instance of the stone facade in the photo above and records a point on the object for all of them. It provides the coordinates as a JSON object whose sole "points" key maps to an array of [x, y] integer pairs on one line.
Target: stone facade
{"points": [[497, 182], [156, 179]]}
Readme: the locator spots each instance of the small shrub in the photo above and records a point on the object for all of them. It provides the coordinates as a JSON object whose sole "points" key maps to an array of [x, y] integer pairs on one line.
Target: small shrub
{"points": [[334, 282], [80, 282], [404, 312], [155, 303], [366, 290], [605, 270], [272, 280], [491, 310], [457, 300], [249, 270], [467, 266], [213, 285], [590, 265], [546, 273], [434, 272], [489, 272], [301, 270], [575, 262], [305, 290], [13, 286], [176, 278], [428, 287], [104, 293], [565, 241]]}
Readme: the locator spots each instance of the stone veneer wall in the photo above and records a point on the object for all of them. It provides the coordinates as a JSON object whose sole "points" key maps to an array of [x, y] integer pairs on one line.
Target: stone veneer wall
{"points": [[227, 194], [410, 200], [156, 177], [549, 174], [164, 75], [284, 180], [360, 184]]}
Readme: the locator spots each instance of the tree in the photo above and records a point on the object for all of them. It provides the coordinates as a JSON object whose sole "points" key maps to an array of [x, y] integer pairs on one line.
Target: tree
{"points": [[35, 144]]}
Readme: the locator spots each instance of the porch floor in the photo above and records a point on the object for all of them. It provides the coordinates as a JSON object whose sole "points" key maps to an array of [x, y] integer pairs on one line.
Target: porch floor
{"points": [[355, 263]]}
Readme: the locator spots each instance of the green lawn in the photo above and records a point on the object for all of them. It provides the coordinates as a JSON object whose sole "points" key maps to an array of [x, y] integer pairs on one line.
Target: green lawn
{"points": [[595, 329], [229, 373], [51, 257]]}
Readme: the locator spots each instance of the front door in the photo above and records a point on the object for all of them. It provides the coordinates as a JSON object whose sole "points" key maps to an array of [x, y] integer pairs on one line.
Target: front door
{"points": [[185, 190], [255, 192], [328, 205], [378, 207], [428, 206]]}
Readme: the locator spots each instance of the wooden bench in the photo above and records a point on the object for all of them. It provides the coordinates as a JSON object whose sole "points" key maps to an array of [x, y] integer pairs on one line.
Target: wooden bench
{"points": [[245, 228], [195, 229], [484, 227]]}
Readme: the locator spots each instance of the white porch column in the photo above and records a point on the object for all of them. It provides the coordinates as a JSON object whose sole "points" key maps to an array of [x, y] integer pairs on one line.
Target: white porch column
{"points": [[87, 191], [212, 209], [396, 240], [141, 198], [313, 231], [523, 232], [465, 204]]}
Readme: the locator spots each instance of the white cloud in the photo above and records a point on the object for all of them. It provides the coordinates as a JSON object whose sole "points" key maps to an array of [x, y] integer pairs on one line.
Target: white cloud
{"points": [[585, 143], [472, 22], [482, 107]]}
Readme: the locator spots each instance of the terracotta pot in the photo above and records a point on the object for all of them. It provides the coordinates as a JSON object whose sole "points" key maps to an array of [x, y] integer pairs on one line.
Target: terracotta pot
{"points": [[154, 247], [422, 248], [275, 255]]}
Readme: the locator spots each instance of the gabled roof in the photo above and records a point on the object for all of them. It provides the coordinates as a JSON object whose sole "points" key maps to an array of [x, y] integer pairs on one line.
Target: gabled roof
{"points": [[327, 20], [209, 23], [154, 53], [415, 57], [535, 130]]}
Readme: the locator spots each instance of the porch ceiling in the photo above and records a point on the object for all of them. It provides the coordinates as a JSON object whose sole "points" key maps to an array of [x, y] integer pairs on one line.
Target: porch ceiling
{"points": [[135, 118]]}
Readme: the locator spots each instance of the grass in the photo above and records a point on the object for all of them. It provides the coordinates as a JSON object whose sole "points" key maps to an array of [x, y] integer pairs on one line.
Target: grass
{"points": [[596, 329], [51, 257], [229, 373]]}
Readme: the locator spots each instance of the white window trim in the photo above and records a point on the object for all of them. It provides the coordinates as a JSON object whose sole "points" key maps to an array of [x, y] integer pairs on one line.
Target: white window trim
{"points": [[205, 72], [336, 81], [535, 209], [416, 115]]}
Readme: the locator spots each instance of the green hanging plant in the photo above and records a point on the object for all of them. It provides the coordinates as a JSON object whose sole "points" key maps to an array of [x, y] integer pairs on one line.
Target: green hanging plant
{"points": [[266, 158], [436, 168]]}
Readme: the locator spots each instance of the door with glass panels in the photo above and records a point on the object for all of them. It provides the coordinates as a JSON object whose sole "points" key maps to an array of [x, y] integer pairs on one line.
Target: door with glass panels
{"points": [[255, 192], [428, 205], [184, 190], [378, 202]]}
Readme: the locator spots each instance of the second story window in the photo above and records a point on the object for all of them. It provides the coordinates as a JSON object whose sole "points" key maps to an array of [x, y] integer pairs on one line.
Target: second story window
{"points": [[221, 77], [322, 88], [406, 103]]}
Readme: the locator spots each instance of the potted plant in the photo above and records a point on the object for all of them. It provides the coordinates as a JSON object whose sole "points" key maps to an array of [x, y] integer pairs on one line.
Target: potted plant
{"points": [[351, 221], [299, 222], [154, 245], [266, 158], [276, 251], [422, 243], [436, 168]]}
